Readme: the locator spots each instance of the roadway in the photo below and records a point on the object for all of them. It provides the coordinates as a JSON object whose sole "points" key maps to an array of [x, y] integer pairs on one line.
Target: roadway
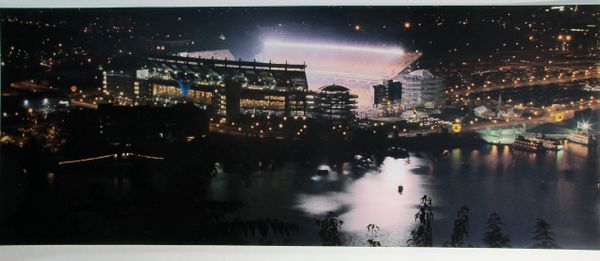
{"points": [[539, 83], [567, 112]]}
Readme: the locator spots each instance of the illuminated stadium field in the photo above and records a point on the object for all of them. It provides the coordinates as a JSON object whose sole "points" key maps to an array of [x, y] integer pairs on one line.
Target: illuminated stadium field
{"points": [[354, 66]]}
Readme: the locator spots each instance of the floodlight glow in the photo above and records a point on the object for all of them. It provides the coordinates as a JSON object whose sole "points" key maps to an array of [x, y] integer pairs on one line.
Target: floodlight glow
{"points": [[314, 45], [585, 125], [357, 67]]}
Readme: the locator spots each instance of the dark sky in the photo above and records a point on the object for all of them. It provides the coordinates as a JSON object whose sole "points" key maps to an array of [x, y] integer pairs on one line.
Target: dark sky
{"points": [[432, 29]]}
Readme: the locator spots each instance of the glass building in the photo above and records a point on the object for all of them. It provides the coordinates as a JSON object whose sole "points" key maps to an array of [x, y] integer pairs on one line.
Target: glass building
{"points": [[420, 88]]}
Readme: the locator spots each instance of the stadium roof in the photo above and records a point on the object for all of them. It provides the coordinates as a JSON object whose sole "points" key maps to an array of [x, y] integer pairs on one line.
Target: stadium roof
{"points": [[223, 54], [422, 73], [340, 60], [334, 88], [285, 75]]}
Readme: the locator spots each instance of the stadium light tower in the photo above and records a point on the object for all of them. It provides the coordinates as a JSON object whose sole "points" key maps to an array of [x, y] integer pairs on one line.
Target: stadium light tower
{"points": [[333, 46]]}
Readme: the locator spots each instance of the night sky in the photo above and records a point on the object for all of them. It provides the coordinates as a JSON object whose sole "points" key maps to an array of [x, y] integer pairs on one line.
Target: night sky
{"points": [[432, 30]]}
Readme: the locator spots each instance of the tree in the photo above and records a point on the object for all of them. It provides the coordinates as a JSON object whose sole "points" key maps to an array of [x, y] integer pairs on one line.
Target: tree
{"points": [[329, 229], [218, 222], [421, 236], [543, 235], [461, 229], [373, 230], [494, 237]]}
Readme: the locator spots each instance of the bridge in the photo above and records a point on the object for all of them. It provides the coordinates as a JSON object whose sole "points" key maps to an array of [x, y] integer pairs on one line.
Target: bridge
{"points": [[123, 155], [533, 83]]}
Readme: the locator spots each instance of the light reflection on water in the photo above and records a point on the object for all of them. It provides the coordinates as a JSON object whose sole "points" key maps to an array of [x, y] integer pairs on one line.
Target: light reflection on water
{"points": [[371, 199], [521, 186]]}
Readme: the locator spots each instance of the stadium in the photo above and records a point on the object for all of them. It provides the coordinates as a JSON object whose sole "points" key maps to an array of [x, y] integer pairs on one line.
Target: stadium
{"points": [[357, 67]]}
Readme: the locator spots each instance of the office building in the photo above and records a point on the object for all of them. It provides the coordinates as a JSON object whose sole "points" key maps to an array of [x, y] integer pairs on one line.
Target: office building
{"points": [[334, 103], [387, 97]]}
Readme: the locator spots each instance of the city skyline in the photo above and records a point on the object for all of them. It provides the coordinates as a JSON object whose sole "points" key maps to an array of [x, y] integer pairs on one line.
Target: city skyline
{"points": [[390, 126]]}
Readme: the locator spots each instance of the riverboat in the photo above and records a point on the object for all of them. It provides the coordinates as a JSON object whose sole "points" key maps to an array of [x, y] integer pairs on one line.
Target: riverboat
{"points": [[533, 145]]}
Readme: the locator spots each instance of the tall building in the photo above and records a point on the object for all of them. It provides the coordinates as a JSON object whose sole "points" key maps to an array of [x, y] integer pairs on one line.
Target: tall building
{"points": [[387, 97], [334, 103], [420, 88]]}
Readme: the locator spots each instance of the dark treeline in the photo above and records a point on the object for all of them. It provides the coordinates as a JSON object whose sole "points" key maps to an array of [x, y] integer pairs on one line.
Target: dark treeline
{"points": [[123, 201], [421, 235]]}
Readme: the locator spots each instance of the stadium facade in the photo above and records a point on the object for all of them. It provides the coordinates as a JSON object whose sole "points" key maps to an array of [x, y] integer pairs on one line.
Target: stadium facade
{"points": [[222, 86]]}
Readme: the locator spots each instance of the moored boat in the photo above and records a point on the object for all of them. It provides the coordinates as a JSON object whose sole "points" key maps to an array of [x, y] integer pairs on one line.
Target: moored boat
{"points": [[533, 145], [550, 143], [584, 138]]}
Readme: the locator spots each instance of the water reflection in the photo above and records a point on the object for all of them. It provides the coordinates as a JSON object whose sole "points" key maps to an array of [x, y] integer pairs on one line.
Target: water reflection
{"points": [[346, 168], [577, 149], [373, 198], [50, 178], [521, 186]]}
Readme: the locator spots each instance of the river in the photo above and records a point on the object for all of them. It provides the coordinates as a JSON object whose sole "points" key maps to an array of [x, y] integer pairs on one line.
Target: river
{"points": [[521, 186]]}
